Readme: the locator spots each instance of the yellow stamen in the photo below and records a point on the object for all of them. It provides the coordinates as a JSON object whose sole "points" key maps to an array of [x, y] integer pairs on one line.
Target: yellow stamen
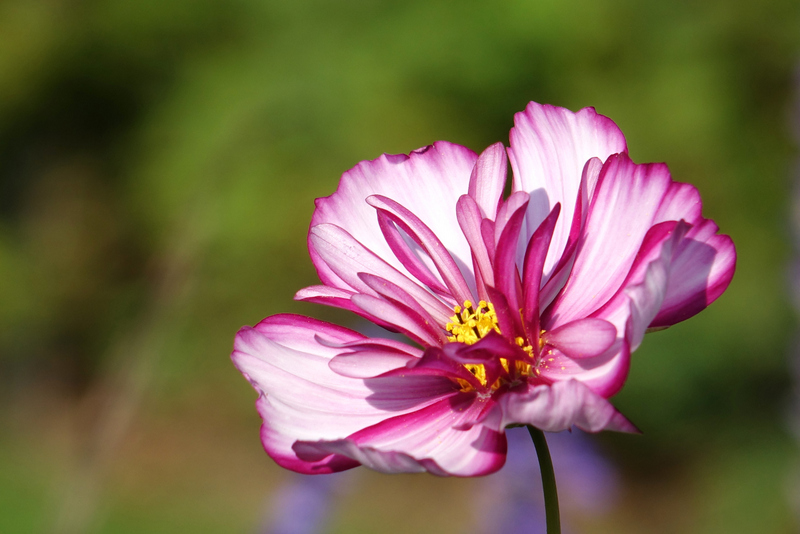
{"points": [[471, 324]]}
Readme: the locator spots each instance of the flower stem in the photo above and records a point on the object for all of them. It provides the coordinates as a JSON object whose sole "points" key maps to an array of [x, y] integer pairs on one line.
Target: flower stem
{"points": [[548, 481]]}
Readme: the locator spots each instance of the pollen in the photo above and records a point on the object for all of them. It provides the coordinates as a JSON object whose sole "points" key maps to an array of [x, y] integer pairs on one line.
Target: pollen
{"points": [[470, 324]]}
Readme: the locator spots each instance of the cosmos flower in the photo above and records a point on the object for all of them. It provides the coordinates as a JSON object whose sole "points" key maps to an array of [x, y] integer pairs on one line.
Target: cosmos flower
{"points": [[522, 310]]}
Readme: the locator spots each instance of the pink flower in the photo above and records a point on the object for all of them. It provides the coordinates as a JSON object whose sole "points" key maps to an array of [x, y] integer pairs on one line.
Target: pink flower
{"points": [[526, 309]]}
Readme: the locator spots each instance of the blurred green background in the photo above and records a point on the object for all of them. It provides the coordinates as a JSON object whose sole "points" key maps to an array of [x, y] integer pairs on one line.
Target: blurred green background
{"points": [[158, 165]]}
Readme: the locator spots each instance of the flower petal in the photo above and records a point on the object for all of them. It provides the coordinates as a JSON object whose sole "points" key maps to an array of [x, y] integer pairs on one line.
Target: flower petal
{"points": [[396, 295], [701, 270], [427, 182], [426, 440], [631, 310], [625, 201], [346, 258], [301, 398], [555, 280], [407, 253], [469, 219], [488, 179], [559, 406], [604, 374], [549, 149], [368, 363], [681, 202], [329, 296], [506, 274], [399, 318], [642, 294], [450, 271], [507, 210], [532, 273], [584, 338]]}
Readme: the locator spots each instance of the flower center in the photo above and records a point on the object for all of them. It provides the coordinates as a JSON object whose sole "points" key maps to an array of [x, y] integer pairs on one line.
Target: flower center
{"points": [[469, 325]]}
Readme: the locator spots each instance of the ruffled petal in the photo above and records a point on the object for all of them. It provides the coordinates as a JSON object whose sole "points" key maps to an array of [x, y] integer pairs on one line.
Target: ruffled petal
{"points": [[301, 398], [642, 294], [549, 148], [559, 406], [631, 310], [426, 440], [680, 203], [625, 202], [700, 272], [427, 182]]}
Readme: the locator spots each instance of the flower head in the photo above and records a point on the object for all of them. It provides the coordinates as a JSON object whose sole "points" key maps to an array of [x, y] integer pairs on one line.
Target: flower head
{"points": [[524, 310]]}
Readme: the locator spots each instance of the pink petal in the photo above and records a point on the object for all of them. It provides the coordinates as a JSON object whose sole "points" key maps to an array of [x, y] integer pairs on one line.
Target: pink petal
{"points": [[626, 199], [560, 406], [407, 253], [426, 440], [301, 398], [396, 295], [507, 210], [643, 292], [368, 363], [554, 281], [508, 320], [488, 179], [346, 257], [682, 202], [549, 149], [469, 219], [604, 374], [506, 275], [452, 276], [329, 296], [631, 310], [584, 338], [700, 272], [532, 273], [399, 318], [427, 182], [488, 235], [705, 262]]}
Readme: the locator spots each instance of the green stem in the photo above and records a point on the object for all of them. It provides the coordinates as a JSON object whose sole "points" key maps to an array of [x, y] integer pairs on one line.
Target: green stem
{"points": [[548, 481]]}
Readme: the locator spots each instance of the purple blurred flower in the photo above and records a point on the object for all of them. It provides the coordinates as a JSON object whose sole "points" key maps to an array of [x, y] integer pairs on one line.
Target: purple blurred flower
{"points": [[302, 505], [527, 308], [587, 480]]}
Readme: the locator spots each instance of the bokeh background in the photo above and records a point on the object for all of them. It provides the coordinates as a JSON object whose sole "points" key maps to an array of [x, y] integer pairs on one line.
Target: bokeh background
{"points": [[158, 165]]}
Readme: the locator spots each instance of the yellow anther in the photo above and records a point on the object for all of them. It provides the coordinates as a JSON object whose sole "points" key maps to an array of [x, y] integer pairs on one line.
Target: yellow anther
{"points": [[469, 325]]}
